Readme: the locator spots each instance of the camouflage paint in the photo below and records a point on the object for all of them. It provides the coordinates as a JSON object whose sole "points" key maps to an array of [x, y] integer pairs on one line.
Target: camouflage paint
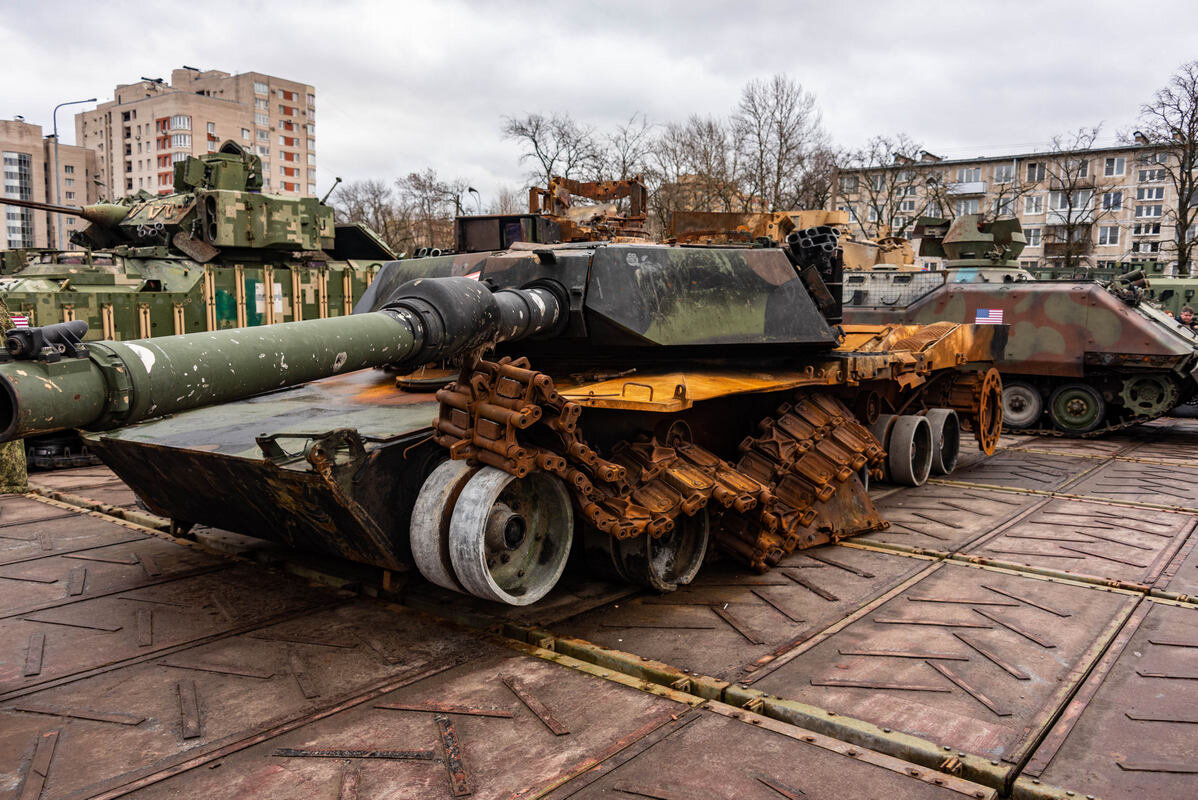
{"points": [[13, 474]]}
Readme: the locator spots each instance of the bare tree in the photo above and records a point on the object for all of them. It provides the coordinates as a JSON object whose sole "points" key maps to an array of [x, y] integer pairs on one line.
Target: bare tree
{"points": [[1077, 200], [778, 128], [557, 145], [377, 205], [694, 167], [813, 189], [625, 152], [887, 185], [1169, 124], [508, 200], [433, 203]]}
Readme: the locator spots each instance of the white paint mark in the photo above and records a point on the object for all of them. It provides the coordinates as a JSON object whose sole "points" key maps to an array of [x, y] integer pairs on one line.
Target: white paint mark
{"points": [[145, 354]]}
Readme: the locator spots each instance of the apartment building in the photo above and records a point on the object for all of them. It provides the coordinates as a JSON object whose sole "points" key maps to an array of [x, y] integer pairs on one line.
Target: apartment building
{"points": [[28, 159], [1101, 207], [149, 126]]}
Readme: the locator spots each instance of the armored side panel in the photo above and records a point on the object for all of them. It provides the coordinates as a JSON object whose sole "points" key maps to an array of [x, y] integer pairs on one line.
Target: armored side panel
{"points": [[242, 219]]}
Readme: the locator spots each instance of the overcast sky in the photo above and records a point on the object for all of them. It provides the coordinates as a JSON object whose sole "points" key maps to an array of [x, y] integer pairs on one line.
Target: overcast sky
{"points": [[405, 85]]}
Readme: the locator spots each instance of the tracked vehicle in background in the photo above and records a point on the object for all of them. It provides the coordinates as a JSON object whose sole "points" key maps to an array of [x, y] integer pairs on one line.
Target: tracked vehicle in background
{"points": [[215, 254], [1083, 358]]}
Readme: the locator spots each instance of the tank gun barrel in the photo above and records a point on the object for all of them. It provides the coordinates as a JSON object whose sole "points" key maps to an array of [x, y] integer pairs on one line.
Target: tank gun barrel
{"points": [[106, 215], [54, 382]]}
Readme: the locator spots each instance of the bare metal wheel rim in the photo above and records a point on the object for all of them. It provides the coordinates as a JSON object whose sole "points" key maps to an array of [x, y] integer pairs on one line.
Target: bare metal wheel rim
{"points": [[669, 561], [509, 537], [428, 533], [1022, 404], [946, 439], [910, 453]]}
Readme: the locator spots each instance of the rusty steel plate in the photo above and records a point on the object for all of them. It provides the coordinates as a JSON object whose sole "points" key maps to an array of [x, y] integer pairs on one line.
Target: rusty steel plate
{"points": [[31, 530], [944, 519], [1091, 541], [1163, 485], [975, 659], [66, 578], [1129, 732], [144, 721], [95, 483], [729, 621], [505, 725], [1078, 448], [1020, 470], [723, 753], [68, 641], [1179, 578]]}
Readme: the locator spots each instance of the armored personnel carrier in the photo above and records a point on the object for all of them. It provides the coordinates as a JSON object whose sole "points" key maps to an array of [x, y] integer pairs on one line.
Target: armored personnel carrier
{"points": [[1083, 358], [655, 399], [215, 254]]}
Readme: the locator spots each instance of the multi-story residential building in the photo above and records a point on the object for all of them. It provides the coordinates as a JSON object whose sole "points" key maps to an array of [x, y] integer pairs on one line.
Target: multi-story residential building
{"points": [[150, 125], [1096, 207], [28, 159]]}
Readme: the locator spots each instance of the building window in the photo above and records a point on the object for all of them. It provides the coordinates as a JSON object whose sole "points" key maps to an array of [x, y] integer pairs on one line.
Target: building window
{"points": [[1151, 175], [966, 206], [69, 195], [68, 181], [1146, 229], [1150, 193], [1033, 236], [1108, 234], [1146, 247], [1004, 173], [245, 134], [848, 183], [969, 174], [180, 122], [1077, 167], [312, 188], [1149, 210], [311, 175], [261, 88], [311, 158], [263, 151], [873, 214], [311, 101], [211, 145], [212, 127], [69, 169], [1004, 207], [1035, 172], [1033, 204], [286, 111], [1114, 166], [181, 140], [1063, 201], [311, 128], [263, 136], [177, 157], [1112, 201], [261, 103], [907, 205], [261, 120]]}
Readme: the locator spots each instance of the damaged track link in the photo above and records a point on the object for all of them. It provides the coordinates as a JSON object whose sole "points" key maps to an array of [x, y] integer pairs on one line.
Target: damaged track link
{"points": [[793, 485]]}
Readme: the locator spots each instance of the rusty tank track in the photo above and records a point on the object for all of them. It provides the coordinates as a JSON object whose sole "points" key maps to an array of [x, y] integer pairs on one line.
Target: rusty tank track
{"points": [[792, 486]]}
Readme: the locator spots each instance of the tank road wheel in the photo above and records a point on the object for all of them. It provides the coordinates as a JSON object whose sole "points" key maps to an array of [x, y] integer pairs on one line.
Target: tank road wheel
{"points": [[946, 439], [1149, 395], [674, 559], [429, 531], [909, 456], [1076, 408], [880, 428], [509, 537], [1022, 405]]}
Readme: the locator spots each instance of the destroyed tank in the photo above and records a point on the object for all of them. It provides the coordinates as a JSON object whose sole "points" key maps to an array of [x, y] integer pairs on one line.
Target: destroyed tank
{"points": [[215, 254], [1083, 358], [658, 400]]}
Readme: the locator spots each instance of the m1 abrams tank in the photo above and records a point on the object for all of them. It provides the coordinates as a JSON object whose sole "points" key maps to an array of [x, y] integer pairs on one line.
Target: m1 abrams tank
{"points": [[1083, 358], [656, 399], [215, 254]]}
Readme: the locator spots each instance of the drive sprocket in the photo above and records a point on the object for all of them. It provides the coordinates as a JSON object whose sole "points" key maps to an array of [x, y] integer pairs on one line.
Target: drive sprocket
{"points": [[1149, 395]]}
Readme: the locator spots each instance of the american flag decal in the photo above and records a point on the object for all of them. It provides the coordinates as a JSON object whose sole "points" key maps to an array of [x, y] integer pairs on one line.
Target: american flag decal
{"points": [[988, 316], [19, 320]]}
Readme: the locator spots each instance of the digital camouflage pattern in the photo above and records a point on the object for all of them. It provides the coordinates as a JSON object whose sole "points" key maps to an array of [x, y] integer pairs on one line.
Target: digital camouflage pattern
{"points": [[215, 254], [13, 474]]}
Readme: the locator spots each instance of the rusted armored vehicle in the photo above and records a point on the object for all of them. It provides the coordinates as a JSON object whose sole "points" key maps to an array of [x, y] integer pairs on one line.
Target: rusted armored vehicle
{"points": [[658, 400], [1083, 358], [215, 254]]}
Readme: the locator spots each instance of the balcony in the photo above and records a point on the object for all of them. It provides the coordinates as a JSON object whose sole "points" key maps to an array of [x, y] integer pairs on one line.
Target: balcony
{"points": [[967, 187], [1063, 216]]}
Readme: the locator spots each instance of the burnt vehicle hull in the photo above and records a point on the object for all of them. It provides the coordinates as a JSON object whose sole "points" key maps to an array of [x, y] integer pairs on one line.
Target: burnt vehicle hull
{"points": [[657, 400]]}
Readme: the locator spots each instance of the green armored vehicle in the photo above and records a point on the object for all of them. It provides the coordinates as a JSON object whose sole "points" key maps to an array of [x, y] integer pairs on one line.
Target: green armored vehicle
{"points": [[657, 400], [215, 254], [1083, 358]]}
